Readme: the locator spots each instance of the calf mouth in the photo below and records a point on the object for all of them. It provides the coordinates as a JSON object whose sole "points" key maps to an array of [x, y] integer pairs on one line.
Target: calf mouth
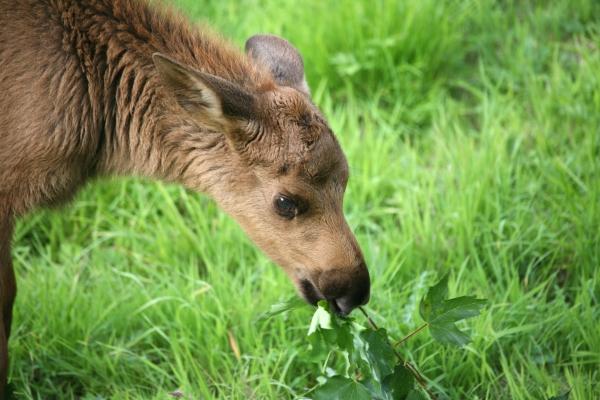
{"points": [[310, 292], [312, 295]]}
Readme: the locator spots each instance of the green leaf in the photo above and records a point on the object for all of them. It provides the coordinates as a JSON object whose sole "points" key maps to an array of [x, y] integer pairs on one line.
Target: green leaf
{"points": [[282, 307], [448, 334], [334, 330], [398, 384], [457, 309], [416, 395], [321, 318], [374, 389], [343, 330], [341, 388], [319, 346], [564, 396], [328, 333], [435, 295], [441, 314], [375, 349]]}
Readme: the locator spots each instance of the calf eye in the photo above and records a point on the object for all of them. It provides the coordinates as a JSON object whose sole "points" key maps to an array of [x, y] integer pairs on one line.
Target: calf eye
{"points": [[286, 207]]}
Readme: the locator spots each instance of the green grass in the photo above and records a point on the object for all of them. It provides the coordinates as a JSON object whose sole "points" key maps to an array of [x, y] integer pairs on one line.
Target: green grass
{"points": [[473, 133]]}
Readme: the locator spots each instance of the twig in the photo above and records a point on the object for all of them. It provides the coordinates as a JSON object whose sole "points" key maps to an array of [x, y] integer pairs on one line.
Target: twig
{"points": [[418, 377], [362, 310], [419, 329]]}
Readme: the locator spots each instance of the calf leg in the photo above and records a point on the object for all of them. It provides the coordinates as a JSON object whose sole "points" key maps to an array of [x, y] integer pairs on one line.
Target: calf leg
{"points": [[8, 290]]}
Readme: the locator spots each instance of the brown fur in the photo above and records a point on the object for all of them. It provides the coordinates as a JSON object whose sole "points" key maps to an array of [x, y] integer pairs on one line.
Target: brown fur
{"points": [[98, 87]]}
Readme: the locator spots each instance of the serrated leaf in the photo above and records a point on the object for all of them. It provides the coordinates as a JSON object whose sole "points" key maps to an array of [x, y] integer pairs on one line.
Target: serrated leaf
{"points": [[319, 346], [374, 389], [282, 307], [328, 333], [336, 331], [343, 331], [448, 334], [321, 319], [375, 349], [434, 297], [398, 384], [442, 314], [457, 309], [341, 388]]}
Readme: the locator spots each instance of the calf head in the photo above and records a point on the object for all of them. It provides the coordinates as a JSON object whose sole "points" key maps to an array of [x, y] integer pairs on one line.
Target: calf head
{"points": [[290, 173]]}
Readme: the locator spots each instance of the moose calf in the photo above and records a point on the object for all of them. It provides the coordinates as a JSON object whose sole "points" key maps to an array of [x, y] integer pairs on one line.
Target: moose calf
{"points": [[92, 88]]}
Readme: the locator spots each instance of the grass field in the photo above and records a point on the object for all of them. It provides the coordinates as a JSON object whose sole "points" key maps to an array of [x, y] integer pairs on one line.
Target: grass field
{"points": [[473, 133]]}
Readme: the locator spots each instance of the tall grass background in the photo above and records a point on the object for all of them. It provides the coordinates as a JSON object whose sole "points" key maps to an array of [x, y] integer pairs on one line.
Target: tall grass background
{"points": [[472, 129]]}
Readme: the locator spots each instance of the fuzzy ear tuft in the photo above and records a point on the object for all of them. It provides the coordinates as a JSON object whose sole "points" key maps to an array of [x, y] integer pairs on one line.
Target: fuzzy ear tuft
{"points": [[281, 58], [208, 97]]}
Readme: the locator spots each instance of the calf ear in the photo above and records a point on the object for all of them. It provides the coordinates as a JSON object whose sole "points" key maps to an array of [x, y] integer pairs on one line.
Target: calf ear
{"points": [[210, 98], [281, 58]]}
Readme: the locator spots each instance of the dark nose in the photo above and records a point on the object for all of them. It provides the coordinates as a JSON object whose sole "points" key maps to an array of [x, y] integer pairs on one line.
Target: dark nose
{"points": [[346, 289]]}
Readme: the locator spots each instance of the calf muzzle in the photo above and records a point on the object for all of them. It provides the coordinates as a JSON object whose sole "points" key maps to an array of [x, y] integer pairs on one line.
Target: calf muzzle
{"points": [[345, 289]]}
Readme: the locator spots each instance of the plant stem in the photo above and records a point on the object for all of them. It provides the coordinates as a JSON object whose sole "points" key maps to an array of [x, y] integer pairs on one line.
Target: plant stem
{"points": [[418, 377], [419, 329], [362, 310]]}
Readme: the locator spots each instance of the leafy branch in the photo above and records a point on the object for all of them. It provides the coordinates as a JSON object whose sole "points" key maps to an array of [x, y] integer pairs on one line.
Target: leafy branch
{"points": [[361, 363], [417, 375]]}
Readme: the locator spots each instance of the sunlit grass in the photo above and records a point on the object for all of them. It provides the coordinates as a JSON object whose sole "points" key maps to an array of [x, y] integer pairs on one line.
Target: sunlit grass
{"points": [[473, 134]]}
